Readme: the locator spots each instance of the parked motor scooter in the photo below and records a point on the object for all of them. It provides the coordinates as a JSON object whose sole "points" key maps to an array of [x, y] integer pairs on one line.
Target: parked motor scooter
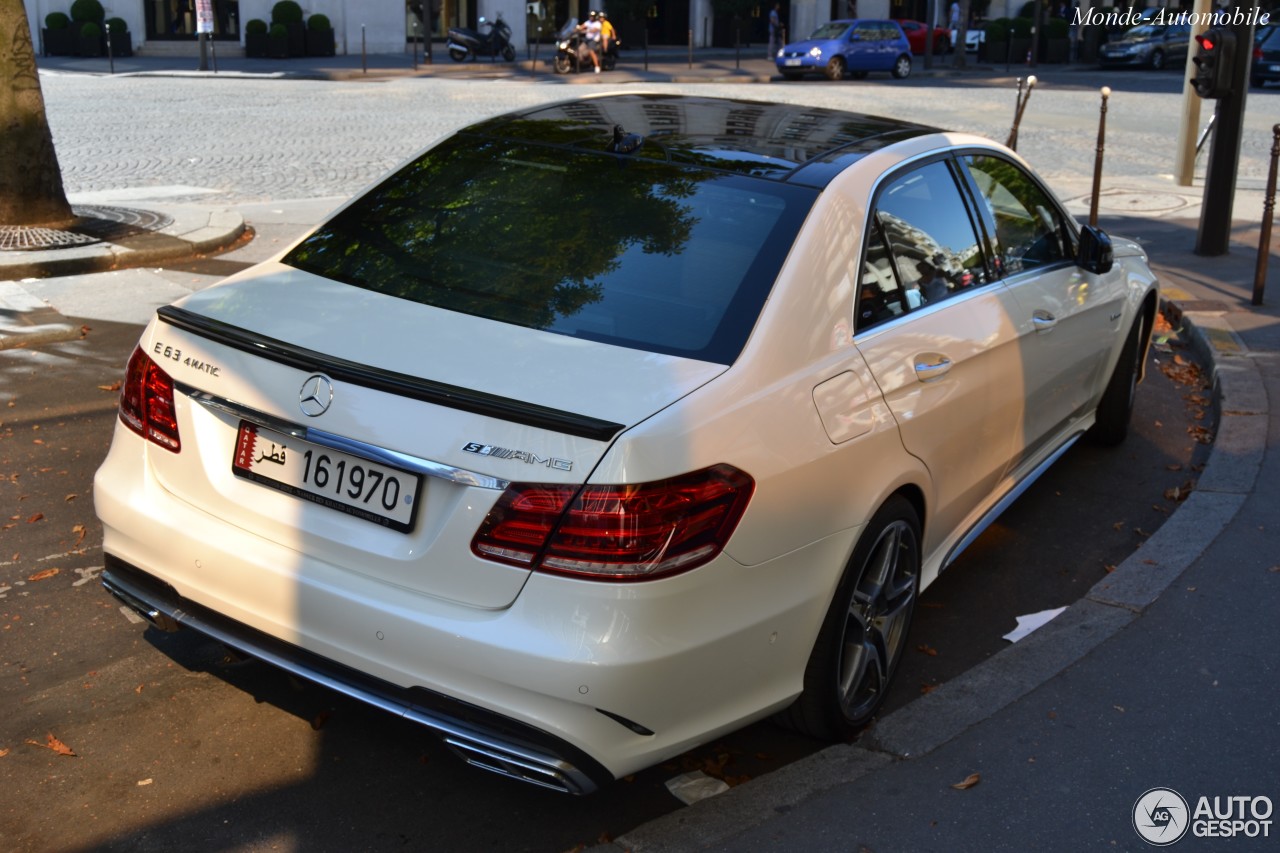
{"points": [[571, 51], [464, 43]]}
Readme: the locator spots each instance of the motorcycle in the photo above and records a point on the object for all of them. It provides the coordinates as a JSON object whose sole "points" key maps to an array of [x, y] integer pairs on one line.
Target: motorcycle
{"points": [[464, 43], [572, 52]]}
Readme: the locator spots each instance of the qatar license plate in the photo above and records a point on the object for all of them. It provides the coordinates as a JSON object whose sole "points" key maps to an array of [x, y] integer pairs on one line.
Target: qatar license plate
{"points": [[378, 493], [792, 62]]}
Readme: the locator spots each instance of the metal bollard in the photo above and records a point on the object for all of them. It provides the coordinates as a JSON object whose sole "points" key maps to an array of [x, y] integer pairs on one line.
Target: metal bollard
{"points": [[1012, 141], [690, 48], [414, 45], [364, 53], [1268, 214], [111, 59], [1097, 161]]}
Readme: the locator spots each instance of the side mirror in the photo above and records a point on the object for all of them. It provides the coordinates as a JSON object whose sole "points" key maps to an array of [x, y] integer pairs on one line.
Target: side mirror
{"points": [[1095, 253]]}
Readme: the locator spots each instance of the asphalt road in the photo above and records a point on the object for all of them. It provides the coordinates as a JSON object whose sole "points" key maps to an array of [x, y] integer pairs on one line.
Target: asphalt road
{"points": [[177, 744]]}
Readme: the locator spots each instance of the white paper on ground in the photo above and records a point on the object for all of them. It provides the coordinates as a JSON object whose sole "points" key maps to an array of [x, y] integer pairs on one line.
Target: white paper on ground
{"points": [[1030, 622], [688, 788]]}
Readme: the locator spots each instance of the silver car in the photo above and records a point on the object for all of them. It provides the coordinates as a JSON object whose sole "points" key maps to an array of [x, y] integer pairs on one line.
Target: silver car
{"points": [[1150, 45]]}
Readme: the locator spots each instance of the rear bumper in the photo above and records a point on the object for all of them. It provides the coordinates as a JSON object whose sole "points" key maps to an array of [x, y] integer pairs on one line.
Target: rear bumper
{"points": [[480, 737], [572, 685]]}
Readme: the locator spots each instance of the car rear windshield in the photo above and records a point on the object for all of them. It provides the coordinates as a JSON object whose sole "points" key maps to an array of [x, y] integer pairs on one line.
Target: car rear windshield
{"points": [[622, 250]]}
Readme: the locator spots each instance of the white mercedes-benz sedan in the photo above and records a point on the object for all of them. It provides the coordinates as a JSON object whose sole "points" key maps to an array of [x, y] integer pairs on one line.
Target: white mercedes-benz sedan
{"points": [[602, 428]]}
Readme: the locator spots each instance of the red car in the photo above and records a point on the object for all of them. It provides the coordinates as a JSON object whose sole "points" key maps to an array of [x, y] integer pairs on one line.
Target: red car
{"points": [[916, 33]]}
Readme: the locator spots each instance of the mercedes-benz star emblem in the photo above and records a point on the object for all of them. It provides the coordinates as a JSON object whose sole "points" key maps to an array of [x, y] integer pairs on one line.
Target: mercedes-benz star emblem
{"points": [[316, 395]]}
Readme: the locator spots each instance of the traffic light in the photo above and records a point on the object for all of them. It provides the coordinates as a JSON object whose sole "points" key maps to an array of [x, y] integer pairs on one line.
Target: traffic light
{"points": [[1213, 62]]}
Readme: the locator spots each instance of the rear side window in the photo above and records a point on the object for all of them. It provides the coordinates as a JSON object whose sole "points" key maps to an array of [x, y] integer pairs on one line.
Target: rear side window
{"points": [[921, 246], [631, 252]]}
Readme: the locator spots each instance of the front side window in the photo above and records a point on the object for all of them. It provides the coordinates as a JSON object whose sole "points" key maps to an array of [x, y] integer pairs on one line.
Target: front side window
{"points": [[625, 251], [922, 232], [1030, 230]]}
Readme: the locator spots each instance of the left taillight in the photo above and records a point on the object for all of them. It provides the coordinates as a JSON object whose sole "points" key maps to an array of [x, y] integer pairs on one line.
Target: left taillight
{"points": [[616, 533], [146, 402]]}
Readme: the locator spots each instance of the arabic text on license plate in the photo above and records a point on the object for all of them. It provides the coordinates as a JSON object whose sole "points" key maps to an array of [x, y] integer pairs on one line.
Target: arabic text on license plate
{"points": [[370, 490], [791, 61]]}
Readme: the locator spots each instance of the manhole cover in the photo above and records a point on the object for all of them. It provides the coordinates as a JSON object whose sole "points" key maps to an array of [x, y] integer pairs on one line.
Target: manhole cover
{"points": [[95, 224]]}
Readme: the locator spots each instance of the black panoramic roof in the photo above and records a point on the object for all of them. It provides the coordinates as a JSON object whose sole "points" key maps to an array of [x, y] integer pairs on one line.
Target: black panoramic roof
{"points": [[782, 142]]}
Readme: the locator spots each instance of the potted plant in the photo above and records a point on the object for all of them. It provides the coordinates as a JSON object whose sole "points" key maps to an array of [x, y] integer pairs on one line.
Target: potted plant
{"points": [[1056, 43], [87, 11], [256, 39], [90, 41], [278, 42], [1020, 39], [995, 44], [288, 14], [118, 37], [319, 36], [59, 38]]}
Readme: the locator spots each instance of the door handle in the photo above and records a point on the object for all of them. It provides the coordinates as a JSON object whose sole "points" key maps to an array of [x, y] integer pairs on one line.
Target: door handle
{"points": [[931, 365], [1042, 320]]}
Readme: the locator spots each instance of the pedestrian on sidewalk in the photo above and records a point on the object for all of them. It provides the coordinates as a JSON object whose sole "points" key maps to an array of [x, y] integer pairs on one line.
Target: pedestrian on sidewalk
{"points": [[775, 30]]}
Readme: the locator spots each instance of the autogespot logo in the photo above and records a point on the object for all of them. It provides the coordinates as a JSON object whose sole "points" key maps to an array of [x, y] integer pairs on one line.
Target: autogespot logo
{"points": [[1161, 817]]}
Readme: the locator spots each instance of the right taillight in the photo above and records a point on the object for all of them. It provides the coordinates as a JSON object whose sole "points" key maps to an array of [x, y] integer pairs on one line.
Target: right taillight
{"points": [[617, 532], [146, 402]]}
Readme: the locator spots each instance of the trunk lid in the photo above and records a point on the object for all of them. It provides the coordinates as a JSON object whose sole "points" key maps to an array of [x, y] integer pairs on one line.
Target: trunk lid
{"points": [[457, 405]]}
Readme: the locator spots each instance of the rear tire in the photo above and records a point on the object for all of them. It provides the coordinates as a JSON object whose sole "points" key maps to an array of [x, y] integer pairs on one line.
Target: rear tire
{"points": [[457, 55], [835, 68], [902, 68], [865, 630], [1157, 60], [562, 64], [509, 53], [1115, 410]]}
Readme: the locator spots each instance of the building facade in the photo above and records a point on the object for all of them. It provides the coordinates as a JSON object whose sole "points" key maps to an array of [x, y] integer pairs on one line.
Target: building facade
{"points": [[387, 26]]}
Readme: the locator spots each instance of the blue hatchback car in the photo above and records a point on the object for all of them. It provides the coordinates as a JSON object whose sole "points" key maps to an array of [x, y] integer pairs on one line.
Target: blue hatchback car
{"points": [[848, 46]]}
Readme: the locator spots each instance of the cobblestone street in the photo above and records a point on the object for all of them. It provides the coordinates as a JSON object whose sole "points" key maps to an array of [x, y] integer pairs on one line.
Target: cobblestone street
{"points": [[237, 140]]}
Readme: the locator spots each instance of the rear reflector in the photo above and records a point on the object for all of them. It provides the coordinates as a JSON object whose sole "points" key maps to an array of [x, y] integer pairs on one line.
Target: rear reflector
{"points": [[631, 532], [146, 402]]}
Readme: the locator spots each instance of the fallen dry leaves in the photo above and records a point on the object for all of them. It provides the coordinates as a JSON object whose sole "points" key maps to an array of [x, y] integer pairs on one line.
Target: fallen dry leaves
{"points": [[969, 781], [52, 743], [43, 574]]}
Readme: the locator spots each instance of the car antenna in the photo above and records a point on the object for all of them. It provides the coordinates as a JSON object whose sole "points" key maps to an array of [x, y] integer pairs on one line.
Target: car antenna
{"points": [[623, 142]]}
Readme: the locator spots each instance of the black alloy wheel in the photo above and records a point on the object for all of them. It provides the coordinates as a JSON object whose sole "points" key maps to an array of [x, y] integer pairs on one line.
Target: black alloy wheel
{"points": [[835, 68], [865, 630], [1115, 409]]}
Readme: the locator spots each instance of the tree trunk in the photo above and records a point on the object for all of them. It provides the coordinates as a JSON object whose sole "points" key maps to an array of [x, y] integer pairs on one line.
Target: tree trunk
{"points": [[961, 59], [31, 190]]}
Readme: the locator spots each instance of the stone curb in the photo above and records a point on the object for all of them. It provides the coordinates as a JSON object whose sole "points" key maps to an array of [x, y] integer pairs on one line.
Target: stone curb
{"points": [[1113, 603], [26, 321], [192, 233]]}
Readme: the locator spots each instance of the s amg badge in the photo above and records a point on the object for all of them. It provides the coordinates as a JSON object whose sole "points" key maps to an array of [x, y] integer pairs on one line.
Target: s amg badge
{"points": [[518, 455]]}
